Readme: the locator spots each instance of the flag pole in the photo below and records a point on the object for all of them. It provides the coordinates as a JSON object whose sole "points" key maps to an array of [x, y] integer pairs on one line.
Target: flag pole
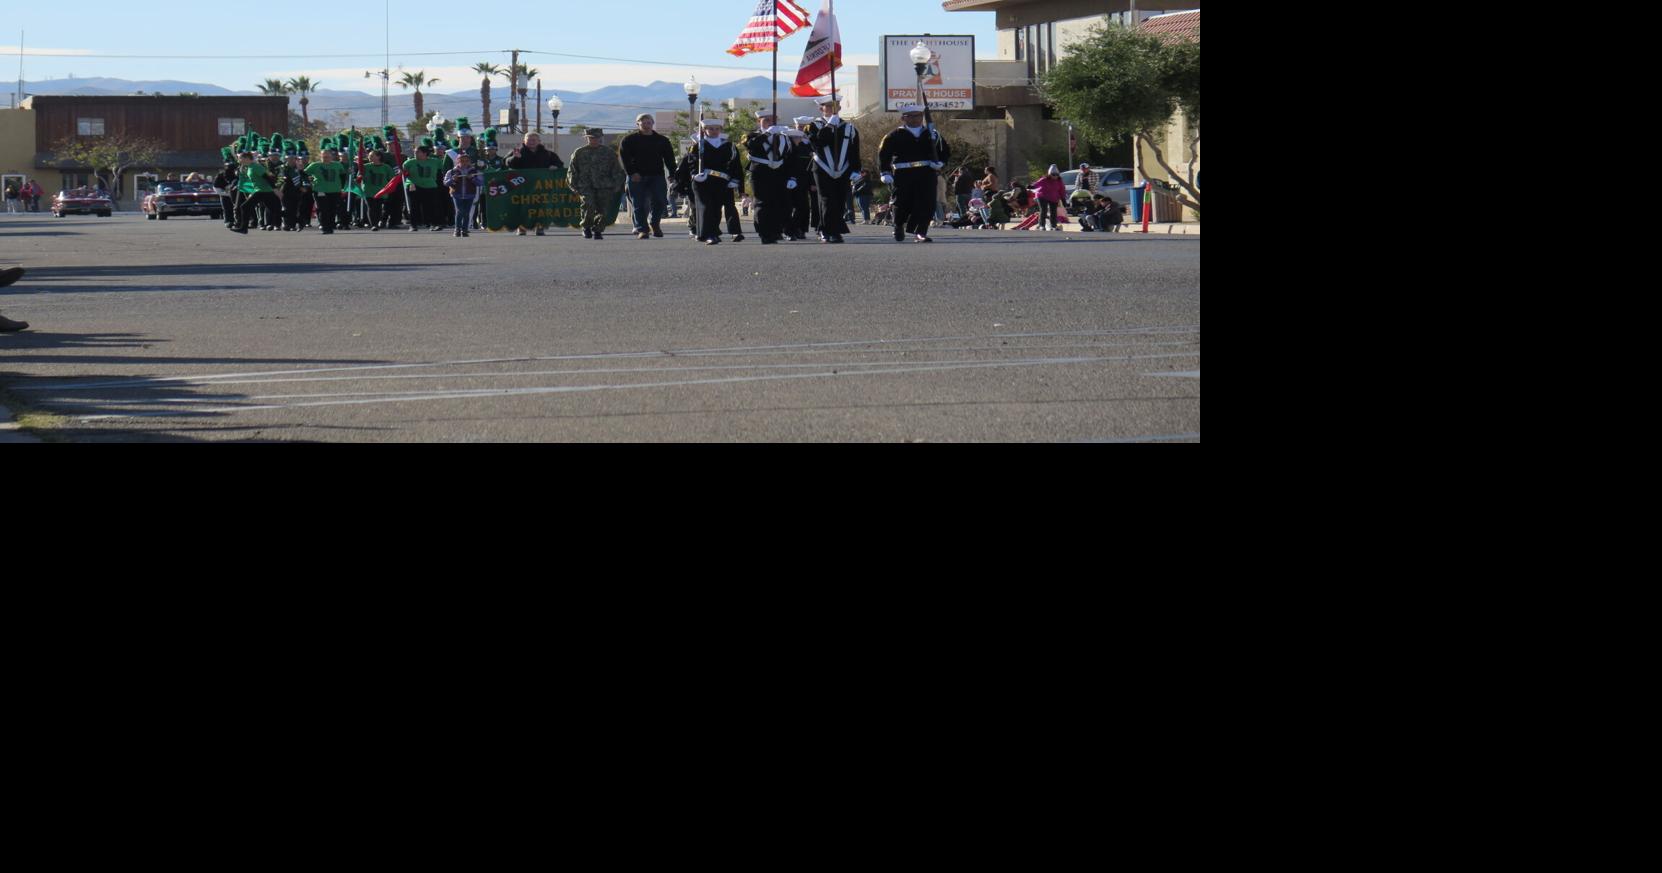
{"points": [[832, 5]]}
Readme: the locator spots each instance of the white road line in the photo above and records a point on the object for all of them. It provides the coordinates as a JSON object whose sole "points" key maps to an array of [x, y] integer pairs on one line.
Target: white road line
{"points": [[600, 356], [1181, 374], [575, 389]]}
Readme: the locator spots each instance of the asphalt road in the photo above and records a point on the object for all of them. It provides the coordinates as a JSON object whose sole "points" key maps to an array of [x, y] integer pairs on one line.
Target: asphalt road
{"points": [[181, 330]]}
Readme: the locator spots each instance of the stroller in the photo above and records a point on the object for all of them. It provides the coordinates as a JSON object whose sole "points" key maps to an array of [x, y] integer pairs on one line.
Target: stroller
{"points": [[884, 216]]}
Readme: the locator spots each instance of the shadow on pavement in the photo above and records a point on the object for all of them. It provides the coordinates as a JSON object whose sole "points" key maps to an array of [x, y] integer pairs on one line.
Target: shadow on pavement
{"points": [[135, 397]]}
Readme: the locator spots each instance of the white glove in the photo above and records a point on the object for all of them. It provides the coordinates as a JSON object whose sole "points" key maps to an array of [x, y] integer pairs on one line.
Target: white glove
{"points": [[733, 185], [701, 177], [791, 185], [937, 165], [854, 177], [888, 179]]}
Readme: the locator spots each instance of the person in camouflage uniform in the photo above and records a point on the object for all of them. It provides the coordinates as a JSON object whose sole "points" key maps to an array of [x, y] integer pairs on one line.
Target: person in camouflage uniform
{"points": [[597, 175]]}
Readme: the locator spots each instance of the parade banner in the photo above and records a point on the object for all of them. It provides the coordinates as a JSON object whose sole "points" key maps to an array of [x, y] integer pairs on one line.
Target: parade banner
{"points": [[534, 198]]}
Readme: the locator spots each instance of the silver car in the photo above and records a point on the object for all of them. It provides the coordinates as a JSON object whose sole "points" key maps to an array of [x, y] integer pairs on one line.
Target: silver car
{"points": [[1114, 183]]}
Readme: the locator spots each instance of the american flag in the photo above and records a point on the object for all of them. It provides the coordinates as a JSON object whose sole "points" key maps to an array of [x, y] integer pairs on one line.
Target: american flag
{"points": [[773, 21]]}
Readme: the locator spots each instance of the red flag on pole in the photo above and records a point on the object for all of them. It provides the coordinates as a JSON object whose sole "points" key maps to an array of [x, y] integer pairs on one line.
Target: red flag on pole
{"points": [[824, 55], [772, 21]]}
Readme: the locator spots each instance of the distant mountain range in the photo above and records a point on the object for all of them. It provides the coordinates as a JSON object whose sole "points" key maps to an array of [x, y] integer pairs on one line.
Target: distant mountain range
{"points": [[613, 107]]}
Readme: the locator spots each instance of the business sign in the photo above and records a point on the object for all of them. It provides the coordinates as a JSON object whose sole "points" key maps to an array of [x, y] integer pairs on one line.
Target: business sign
{"points": [[948, 80]]}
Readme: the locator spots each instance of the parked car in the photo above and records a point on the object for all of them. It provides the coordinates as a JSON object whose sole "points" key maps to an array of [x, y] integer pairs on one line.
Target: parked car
{"points": [[1112, 182], [82, 201], [182, 198]]}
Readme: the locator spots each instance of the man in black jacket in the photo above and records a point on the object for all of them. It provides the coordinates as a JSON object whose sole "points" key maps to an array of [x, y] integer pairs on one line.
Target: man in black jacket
{"points": [[533, 156], [647, 156]]}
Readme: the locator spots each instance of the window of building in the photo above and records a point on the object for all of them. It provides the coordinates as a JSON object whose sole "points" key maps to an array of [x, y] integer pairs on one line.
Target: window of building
{"points": [[232, 127], [89, 127]]}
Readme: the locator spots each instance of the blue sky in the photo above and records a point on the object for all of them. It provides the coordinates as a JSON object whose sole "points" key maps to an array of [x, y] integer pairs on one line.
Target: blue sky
{"points": [[680, 33]]}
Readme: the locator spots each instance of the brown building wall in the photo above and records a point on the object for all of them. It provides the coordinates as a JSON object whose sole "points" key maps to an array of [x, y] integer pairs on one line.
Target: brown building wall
{"points": [[184, 124]]}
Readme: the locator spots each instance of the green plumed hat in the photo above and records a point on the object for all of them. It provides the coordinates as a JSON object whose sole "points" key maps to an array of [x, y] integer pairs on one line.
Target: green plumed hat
{"points": [[464, 127], [326, 144], [426, 142], [277, 141], [390, 132], [303, 151], [489, 135], [226, 154], [377, 143]]}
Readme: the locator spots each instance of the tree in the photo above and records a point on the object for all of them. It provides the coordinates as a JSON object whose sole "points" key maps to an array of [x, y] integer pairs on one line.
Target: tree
{"points": [[274, 88], [303, 85], [109, 156], [309, 132], [1120, 82], [487, 70], [416, 80]]}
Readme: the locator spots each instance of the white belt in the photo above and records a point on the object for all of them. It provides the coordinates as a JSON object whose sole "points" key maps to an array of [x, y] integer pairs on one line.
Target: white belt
{"points": [[766, 163], [720, 175], [911, 166]]}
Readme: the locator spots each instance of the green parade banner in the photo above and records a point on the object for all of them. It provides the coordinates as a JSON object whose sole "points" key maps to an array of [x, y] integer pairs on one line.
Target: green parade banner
{"points": [[534, 198]]}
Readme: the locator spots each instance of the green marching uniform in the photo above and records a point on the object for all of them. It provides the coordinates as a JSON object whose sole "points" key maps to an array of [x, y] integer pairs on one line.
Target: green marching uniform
{"points": [[376, 177], [421, 179], [255, 182], [328, 180]]}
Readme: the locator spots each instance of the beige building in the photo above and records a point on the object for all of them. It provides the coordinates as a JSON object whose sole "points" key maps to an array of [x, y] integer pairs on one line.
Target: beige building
{"points": [[1033, 35], [17, 151]]}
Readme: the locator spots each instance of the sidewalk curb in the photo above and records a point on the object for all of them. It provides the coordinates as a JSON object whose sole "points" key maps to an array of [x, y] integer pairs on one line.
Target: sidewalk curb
{"points": [[11, 431]]}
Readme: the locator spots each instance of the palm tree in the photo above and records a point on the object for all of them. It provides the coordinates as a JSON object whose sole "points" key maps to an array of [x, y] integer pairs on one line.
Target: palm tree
{"points": [[274, 88], [416, 80], [486, 69], [303, 85]]}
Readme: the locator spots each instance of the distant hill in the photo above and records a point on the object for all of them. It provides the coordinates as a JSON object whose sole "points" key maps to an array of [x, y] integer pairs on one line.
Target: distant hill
{"points": [[613, 107]]}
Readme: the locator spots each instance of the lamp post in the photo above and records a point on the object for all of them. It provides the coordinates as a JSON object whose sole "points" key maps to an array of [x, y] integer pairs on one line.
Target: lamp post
{"points": [[692, 90], [921, 56]]}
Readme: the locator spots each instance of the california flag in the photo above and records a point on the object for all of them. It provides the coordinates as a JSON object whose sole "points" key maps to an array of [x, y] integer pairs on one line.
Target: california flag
{"points": [[824, 54]]}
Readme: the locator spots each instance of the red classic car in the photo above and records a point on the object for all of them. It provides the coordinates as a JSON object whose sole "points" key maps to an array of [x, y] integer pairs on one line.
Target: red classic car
{"points": [[82, 201], [182, 198]]}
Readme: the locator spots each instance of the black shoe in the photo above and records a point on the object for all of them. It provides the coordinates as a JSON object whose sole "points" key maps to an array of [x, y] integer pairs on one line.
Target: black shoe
{"points": [[9, 326], [414, 229], [738, 237], [657, 232], [588, 234], [10, 275], [241, 230], [599, 235], [712, 242]]}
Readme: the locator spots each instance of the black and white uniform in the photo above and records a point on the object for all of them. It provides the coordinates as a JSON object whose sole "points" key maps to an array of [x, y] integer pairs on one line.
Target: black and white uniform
{"points": [[836, 158], [804, 210], [769, 174], [715, 193], [914, 161]]}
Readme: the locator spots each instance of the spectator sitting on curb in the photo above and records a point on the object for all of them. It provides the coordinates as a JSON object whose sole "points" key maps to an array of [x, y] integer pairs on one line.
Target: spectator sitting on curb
{"points": [[8, 276]]}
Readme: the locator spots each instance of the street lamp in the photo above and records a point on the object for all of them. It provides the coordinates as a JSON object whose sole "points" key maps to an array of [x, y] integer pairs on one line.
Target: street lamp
{"points": [[555, 104], [920, 61], [692, 90]]}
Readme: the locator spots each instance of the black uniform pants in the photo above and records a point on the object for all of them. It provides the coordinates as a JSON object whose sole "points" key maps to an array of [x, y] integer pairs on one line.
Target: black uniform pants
{"points": [[802, 210], [772, 212], [329, 207], [914, 200], [833, 203], [297, 208], [251, 203], [713, 198]]}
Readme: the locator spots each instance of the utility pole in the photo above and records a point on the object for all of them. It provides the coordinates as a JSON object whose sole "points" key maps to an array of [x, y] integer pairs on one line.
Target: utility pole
{"points": [[513, 92], [386, 64], [539, 106]]}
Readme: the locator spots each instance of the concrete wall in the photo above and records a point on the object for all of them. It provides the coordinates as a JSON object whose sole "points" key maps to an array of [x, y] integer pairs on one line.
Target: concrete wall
{"points": [[17, 146]]}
